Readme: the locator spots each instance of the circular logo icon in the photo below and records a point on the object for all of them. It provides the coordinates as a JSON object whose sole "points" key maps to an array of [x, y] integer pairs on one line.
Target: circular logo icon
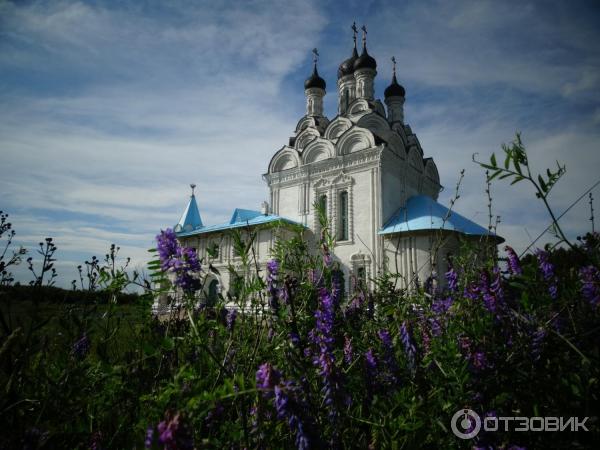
{"points": [[466, 424]]}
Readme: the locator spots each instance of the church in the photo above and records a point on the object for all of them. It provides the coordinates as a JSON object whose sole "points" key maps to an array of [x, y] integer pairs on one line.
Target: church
{"points": [[366, 169]]}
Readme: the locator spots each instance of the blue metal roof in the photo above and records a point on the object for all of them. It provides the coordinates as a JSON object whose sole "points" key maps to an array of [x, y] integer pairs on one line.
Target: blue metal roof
{"points": [[242, 215], [190, 219], [424, 213], [240, 218]]}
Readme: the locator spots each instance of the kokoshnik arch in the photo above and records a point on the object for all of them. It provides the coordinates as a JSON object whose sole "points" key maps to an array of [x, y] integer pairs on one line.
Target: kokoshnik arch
{"points": [[366, 168]]}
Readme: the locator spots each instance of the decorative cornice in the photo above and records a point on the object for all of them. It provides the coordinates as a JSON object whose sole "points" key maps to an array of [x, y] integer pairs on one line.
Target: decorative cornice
{"points": [[351, 161]]}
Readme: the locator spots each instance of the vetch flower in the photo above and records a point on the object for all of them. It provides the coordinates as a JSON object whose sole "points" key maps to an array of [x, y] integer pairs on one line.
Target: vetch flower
{"points": [[323, 338], [149, 436], [267, 377], [182, 261], [348, 350], [174, 434], [514, 266], [547, 269], [272, 287], [370, 373], [389, 358], [230, 319], [409, 346], [452, 279]]}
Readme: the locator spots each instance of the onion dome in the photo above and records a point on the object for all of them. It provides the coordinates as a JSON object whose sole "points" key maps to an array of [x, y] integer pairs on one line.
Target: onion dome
{"points": [[314, 81], [347, 67], [365, 61], [394, 89]]}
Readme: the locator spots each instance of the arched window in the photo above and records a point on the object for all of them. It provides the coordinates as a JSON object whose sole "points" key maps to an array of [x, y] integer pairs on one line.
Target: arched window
{"points": [[213, 293], [343, 216], [323, 204], [361, 276]]}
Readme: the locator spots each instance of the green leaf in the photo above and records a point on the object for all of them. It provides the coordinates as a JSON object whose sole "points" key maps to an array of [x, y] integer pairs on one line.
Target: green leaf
{"points": [[168, 344], [507, 160], [517, 166], [516, 180], [543, 185], [493, 160]]}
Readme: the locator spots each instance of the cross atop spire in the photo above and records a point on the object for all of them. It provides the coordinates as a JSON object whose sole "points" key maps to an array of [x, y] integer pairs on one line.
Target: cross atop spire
{"points": [[354, 32], [394, 63], [315, 53], [193, 186], [364, 36]]}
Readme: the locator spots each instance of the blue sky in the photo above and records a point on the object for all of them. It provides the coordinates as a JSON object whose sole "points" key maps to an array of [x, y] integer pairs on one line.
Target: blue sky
{"points": [[108, 110]]}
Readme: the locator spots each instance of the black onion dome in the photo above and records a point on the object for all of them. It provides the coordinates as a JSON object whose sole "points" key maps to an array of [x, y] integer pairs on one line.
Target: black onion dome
{"points": [[365, 61], [347, 67], [314, 81], [394, 89]]}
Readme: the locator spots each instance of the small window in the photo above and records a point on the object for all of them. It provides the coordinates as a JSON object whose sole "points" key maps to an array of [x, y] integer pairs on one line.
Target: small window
{"points": [[213, 250], [323, 204], [343, 216]]}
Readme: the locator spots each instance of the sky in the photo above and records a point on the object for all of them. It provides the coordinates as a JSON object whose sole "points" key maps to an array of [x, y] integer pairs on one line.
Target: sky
{"points": [[109, 110]]}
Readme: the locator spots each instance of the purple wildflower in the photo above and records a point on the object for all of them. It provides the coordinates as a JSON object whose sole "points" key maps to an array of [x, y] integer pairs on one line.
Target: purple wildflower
{"points": [[388, 355], [182, 261], [149, 436], [323, 338], [230, 319], [174, 434], [167, 246], [348, 350], [442, 305], [452, 279], [464, 344], [590, 284], [547, 269], [479, 361], [213, 416], [355, 305], [425, 339], [514, 266], [471, 291], [491, 291], [272, 278], [289, 405], [294, 338], [435, 326], [327, 259], [266, 378], [81, 347], [370, 373], [409, 346]]}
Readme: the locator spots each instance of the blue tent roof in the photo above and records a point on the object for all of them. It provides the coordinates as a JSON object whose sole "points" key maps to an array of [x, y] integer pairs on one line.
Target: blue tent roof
{"points": [[242, 215], [424, 213], [190, 219], [240, 218]]}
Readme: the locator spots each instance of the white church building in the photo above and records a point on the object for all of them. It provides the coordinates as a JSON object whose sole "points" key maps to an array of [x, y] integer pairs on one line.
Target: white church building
{"points": [[366, 168]]}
